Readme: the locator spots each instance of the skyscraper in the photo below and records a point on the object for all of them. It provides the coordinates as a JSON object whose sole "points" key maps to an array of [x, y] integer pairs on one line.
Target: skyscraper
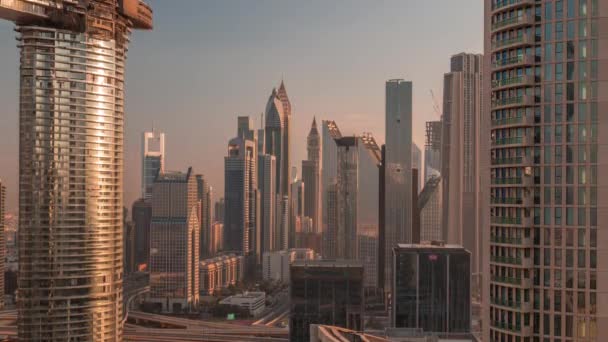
{"points": [[329, 164], [239, 179], [72, 53], [219, 210], [429, 205], [398, 169], [311, 177], [204, 195], [141, 215], [153, 160], [174, 239], [460, 165], [268, 196], [432, 150], [330, 234], [417, 164], [277, 125], [544, 146], [357, 195], [296, 210]]}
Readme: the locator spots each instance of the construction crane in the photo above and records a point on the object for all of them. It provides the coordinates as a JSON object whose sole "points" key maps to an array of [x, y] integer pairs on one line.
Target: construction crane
{"points": [[436, 107]]}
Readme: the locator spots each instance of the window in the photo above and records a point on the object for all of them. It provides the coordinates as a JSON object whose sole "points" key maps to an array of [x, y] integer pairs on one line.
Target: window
{"points": [[582, 28], [559, 69], [582, 49], [559, 31]]}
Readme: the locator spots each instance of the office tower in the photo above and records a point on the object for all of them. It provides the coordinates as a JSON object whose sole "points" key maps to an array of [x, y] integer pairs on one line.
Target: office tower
{"points": [[329, 164], [204, 195], [2, 240], [311, 175], [432, 150], [417, 164], [277, 125], [544, 150], [398, 168], [267, 186], [153, 160], [296, 211], [239, 178], [129, 265], [367, 252], [71, 164], [337, 301], [460, 146], [432, 288], [429, 205], [219, 210], [330, 234], [357, 191], [141, 215], [174, 239]]}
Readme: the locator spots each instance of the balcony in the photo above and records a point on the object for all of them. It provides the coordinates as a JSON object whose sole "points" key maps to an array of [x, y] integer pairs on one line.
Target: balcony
{"points": [[524, 242], [525, 141], [509, 161], [525, 120], [512, 281], [505, 5], [513, 102], [504, 220], [518, 41], [513, 22], [506, 260], [507, 181], [513, 62], [512, 304], [512, 82]]}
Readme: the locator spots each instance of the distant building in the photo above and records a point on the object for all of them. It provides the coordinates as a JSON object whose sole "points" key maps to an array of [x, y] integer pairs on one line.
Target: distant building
{"points": [[368, 253], [268, 203], [460, 174], [2, 240], [311, 176], [329, 164], [339, 301], [205, 196], [254, 302], [432, 288], [219, 210], [216, 242], [429, 205], [129, 264], [296, 210], [239, 182], [141, 215], [220, 272], [174, 239], [432, 150], [276, 264], [153, 160], [417, 164], [330, 234], [398, 169]]}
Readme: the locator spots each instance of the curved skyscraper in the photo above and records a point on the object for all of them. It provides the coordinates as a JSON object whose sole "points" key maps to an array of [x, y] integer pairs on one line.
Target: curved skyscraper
{"points": [[71, 165], [277, 120]]}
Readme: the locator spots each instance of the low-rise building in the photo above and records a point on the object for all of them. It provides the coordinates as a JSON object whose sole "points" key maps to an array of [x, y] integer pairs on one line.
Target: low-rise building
{"points": [[275, 265], [220, 272], [255, 302]]}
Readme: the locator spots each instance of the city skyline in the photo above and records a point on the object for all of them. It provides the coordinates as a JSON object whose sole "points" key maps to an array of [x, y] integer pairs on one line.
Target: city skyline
{"points": [[323, 86]]}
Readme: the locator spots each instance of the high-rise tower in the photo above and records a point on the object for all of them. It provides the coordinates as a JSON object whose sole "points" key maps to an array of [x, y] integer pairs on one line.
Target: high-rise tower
{"points": [[153, 160], [71, 164], [277, 123], [311, 177], [398, 170], [544, 149], [460, 155]]}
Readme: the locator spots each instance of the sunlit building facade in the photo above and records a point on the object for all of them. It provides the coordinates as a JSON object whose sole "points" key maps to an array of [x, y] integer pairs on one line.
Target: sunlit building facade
{"points": [[153, 160], [71, 165], [220, 272], [544, 125]]}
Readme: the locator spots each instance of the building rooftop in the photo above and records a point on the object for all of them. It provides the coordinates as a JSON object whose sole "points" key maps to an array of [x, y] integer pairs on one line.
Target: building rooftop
{"points": [[429, 245], [327, 263]]}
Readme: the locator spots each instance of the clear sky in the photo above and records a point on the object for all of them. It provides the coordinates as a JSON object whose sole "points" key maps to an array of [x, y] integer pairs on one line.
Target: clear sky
{"points": [[206, 62]]}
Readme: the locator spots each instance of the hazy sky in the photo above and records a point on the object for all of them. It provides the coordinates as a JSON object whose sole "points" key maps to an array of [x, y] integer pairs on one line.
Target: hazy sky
{"points": [[206, 62]]}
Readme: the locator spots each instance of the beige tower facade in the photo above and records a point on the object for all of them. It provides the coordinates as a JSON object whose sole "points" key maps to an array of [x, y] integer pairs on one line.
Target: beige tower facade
{"points": [[546, 147]]}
